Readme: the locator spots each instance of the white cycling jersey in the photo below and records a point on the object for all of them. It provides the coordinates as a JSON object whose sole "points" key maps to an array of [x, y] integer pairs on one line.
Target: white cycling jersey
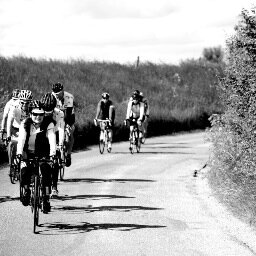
{"points": [[15, 117], [135, 110], [58, 117], [66, 102], [9, 105], [32, 138]]}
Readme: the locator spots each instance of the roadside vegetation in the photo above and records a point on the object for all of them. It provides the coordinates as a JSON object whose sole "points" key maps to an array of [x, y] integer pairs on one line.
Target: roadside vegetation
{"points": [[233, 133], [181, 97]]}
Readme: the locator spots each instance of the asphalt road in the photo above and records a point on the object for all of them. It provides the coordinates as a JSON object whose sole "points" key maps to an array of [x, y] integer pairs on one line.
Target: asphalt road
{"points": [[122, 204]]}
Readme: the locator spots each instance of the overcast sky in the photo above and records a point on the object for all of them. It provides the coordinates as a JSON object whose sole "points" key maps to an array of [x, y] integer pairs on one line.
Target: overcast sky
{"points": [[116, 30]]}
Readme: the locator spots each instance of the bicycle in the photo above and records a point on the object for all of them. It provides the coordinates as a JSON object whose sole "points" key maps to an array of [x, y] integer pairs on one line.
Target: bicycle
{"points": [[36, 198], [135, 141], [104, 139], [14, 173]]}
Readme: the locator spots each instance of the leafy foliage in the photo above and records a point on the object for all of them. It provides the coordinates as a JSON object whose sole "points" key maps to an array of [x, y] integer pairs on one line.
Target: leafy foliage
{"points": [[233, 133]]}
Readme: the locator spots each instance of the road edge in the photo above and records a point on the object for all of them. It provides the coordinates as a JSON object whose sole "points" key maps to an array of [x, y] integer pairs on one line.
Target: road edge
{"points": [[238, 230]]}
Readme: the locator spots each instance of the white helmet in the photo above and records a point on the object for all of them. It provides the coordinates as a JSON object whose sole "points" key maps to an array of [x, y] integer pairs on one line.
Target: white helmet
{"points": [[25, 95]]}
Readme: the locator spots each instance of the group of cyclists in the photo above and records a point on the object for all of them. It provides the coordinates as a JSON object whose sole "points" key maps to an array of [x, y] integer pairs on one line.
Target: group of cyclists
{"points": [[41, 128], [137, 110]]}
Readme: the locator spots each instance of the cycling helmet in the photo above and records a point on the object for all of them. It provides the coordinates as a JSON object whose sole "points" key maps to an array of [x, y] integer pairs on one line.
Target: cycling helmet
{"points": [[105, 95], [136, 95], [57, 87], [15, 94], [49, 102], [25, 95], [36, 107], [141, 94]]}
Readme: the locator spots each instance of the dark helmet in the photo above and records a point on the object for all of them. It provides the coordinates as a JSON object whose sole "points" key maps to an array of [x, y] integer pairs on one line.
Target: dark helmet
{"points": [[105, 95], [15, 94], [57, 87], [136, 95], [36, 106], [49, 102]]}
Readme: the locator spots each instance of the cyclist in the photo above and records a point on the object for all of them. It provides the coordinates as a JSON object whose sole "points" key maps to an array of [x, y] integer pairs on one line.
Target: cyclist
{"points": [[18, 113], [106, 111], [135, 110], [10, 104], [65, 102], [36, 138], [49, 105], [146, 113]]}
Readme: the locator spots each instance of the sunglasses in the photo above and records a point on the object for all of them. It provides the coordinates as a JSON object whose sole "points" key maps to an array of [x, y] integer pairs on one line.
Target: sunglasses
{"points": [[38, 114], [24, 102]]}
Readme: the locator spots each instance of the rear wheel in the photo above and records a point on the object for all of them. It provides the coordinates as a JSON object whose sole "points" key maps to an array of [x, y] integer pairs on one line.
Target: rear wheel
{"points": [[62, 170], [13, 175]]}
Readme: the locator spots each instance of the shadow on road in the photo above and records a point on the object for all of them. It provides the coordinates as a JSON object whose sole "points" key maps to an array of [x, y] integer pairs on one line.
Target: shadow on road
{"points": [[107, 180], [91, 197], [59, 228], [89, 209], [4, 199]]}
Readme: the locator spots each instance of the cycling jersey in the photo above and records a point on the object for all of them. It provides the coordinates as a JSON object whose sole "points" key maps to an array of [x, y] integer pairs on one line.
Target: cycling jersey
{"points": [[66, 104], [9, 105], [105, 110], [15, 116], [135, 110], [41, 140]]}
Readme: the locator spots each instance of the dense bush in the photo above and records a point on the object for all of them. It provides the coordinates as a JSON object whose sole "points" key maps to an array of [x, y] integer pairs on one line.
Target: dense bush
{"points": [[181, 97], [233, 133]]}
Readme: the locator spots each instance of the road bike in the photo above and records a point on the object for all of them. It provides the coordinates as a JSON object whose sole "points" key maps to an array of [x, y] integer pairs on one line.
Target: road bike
{"points": [[36, 198], [14, 173], [104, 139], [135, 141]]}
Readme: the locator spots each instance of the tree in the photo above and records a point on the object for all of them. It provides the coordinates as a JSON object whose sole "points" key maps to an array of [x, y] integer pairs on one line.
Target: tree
{"points": [[213, 54]]}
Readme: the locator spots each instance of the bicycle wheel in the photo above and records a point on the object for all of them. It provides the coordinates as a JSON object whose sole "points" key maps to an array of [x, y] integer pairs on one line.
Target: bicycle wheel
{"points": [[36, 202], [132, 142], [12, 174], [107, 141], [62, 171], [138, 144], [101, 144]]}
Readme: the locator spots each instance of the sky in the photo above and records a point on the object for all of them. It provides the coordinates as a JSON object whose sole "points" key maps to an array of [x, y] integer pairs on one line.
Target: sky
{"points": [[158, 31]]}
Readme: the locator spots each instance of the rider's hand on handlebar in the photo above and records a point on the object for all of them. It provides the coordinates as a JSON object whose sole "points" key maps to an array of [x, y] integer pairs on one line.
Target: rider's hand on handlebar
{"points": [[18, 158], [139, 122], [53, 158]]}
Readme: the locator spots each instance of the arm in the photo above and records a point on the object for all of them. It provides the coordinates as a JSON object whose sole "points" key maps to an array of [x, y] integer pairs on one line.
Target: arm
{"points": [[5, 115], [50, 134], [60, 126], [129, 109], [21, 139], [10, 120], [141, 110], [98, 110]]}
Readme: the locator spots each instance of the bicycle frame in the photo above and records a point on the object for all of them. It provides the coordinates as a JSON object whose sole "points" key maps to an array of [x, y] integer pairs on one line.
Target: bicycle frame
{"points": [[105, 135]]}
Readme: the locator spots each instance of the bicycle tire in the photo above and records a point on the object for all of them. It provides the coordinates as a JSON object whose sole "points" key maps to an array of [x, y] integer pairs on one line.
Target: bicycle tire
{"points": [[138, 144], [102, 143], [61, 172], [35, 203], [12, 168]]}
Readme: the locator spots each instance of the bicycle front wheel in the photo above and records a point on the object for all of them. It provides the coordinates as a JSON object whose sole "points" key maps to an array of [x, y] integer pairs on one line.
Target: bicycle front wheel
{"points": [[36, 202]]}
